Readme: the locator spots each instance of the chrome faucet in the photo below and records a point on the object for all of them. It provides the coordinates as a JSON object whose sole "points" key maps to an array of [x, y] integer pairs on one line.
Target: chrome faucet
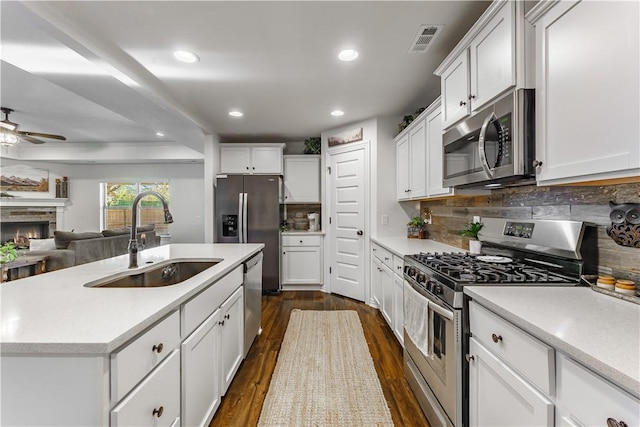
{"points": [[133, 242]]}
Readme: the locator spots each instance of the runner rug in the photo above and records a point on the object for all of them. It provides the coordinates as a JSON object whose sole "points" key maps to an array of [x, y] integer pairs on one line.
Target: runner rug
{"points": [[324, 375]]}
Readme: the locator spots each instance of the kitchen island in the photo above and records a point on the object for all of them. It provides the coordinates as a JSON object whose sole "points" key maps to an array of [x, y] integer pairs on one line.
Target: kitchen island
{"points": [[66, 348]]}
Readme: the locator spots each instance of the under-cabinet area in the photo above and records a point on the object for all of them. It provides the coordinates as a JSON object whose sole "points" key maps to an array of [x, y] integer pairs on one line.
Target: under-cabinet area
{"points": [[166, 369]]}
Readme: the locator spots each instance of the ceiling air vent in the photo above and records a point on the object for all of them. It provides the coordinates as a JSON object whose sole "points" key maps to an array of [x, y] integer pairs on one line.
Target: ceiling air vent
{"points": [[425, 37]]}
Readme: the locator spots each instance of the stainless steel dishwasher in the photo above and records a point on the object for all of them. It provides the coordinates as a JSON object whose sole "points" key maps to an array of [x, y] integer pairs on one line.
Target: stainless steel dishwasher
{"points": [[252, 300]]}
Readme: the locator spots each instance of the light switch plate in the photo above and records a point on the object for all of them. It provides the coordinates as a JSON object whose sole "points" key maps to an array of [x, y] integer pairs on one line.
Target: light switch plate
{"points": [[385, 219]]}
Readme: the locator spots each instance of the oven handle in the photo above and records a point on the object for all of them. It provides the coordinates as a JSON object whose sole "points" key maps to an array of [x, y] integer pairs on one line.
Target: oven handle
{"points": [[435, 305], [481, 145]]}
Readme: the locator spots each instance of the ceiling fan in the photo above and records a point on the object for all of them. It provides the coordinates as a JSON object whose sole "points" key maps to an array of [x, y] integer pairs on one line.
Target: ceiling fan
{"points": [[9, 133]]}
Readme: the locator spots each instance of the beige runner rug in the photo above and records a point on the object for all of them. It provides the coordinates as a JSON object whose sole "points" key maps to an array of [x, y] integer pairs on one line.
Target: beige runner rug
{"points": [[324, 375]]}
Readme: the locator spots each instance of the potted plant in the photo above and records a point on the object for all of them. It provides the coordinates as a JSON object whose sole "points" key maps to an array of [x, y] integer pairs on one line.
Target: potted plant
{"points": [[8, 253], [312, 145], [416, 228], [475, 245]]}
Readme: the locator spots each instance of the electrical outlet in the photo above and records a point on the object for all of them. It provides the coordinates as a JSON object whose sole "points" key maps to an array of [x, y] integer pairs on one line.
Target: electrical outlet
{"points": [[385, 219], [476, 218]]}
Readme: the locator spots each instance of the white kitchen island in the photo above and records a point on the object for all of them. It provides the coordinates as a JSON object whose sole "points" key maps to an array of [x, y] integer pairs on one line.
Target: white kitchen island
{"points": [[69, 352]]}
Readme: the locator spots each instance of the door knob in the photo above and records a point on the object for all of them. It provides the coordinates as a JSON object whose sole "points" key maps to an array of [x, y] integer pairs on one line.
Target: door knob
{"points": [[537, 163], [359, 233]]}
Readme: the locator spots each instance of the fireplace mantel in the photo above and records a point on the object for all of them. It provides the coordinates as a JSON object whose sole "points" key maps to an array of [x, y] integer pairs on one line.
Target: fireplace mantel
{"points": [[24, 202]]}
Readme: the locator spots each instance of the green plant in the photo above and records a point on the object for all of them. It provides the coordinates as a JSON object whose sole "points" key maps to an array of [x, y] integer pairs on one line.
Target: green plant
{"points": [[8, 253], [312, 145], [472, 230], [417, 222]]}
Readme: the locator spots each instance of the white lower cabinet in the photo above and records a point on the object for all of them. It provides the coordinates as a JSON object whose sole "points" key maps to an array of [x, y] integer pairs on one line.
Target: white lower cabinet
{"points": [[511, 373], [498, 396], [586, 399], [232, 337], [386, 280], [302, 260], [387, 290], [200, 374], [155, 401]]}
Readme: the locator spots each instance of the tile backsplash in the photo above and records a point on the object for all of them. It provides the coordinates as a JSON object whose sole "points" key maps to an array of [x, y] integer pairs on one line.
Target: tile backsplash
{"points": [[580, 203]]}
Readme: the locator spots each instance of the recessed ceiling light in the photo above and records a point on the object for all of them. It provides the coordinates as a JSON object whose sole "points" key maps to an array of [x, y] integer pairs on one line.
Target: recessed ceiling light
{"points": [[159, 134], [235, 113], [337, 113], [348, 55], [184, 56]]}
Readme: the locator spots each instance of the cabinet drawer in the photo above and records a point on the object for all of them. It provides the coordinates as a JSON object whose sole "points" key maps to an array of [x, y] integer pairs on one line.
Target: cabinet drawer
{"points": [[589, 399], [133, 362], [197, 309], [398, 263], [159, 392], [301, 240], [383, 255], [531, 358]]}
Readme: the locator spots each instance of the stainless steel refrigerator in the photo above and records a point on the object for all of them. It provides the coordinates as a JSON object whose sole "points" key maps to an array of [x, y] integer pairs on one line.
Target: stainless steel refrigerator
{"points": [[247, 210]]}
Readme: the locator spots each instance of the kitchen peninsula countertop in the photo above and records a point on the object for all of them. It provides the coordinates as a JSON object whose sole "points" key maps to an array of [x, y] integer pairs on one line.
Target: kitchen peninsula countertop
{"points": [[597, 330], [54, 313], [404, 246]]}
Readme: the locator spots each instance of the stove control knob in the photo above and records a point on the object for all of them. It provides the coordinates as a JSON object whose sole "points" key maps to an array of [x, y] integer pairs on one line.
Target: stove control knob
{"points": [[421, 278], [437, 289]]}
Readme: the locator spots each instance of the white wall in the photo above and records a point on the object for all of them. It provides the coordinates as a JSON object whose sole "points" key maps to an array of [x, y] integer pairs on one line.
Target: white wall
{"points": [[186, 183]]}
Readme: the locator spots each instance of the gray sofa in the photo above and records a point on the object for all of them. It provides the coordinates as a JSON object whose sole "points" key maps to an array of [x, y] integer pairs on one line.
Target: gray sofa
{"points": [[80, 248]]}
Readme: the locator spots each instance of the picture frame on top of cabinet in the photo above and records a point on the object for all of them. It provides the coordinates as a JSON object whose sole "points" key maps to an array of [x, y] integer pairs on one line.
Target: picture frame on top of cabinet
{"points": [[346, 137]]}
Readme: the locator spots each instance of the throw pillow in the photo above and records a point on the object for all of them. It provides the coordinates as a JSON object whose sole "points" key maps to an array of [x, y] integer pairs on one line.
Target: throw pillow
{"points": [[42, 244], [62, 238]]}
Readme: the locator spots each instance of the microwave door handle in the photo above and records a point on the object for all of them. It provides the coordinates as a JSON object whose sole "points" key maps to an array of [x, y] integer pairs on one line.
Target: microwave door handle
{"points": [[481, 145]]}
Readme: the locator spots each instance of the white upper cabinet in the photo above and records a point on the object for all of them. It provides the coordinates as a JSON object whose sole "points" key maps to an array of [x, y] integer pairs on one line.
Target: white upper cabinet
{"points": [[419, 157], [302, 179], [251, 158], [492, 58], [402, 171], [434, 155], [411, 156], [489, 60], [587, 85]]}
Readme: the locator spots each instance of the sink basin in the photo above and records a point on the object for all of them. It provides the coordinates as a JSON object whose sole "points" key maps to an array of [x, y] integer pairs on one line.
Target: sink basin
{"points": [[165, 274]]}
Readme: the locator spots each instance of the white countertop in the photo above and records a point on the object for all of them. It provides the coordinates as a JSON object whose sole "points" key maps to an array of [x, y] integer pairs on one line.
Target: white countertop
{"points": [[402, 246], [54, 313], [305, 232], [597, 330]]}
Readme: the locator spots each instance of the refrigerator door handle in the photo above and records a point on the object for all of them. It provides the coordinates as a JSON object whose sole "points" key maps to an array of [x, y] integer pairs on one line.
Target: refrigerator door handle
{"points": [[244, 218], [240, 217]]}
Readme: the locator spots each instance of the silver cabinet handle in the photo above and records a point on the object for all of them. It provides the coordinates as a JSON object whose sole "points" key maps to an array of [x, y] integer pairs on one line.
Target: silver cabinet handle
{"points": [[496, 338], [462, 103], [469, 357]]}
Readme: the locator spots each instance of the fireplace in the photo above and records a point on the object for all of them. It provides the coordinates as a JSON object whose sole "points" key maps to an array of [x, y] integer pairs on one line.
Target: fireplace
{"points": [[20, 232], [19, 224]]}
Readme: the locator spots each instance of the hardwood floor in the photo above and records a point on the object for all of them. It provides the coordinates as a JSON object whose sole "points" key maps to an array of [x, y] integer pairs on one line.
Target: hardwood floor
{"points": [[242, 404]]}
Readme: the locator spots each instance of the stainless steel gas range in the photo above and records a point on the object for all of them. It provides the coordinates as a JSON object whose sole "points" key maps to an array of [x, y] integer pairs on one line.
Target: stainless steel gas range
{"points": [[436, 326]]}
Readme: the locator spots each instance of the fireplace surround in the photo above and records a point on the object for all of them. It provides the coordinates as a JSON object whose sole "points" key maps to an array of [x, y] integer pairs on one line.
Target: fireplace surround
{"points": [[22, 218]]}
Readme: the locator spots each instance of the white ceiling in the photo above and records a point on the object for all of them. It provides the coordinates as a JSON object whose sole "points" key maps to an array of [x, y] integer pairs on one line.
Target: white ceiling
{"points": [[102, 72]]}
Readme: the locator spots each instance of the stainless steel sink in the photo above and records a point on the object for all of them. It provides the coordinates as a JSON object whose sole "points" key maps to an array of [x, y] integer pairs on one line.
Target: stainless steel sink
{"points": [[165, 274]]}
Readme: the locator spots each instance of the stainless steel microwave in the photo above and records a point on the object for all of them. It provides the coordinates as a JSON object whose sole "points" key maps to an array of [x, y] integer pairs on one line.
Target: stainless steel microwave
{"points": [[494, 147]]}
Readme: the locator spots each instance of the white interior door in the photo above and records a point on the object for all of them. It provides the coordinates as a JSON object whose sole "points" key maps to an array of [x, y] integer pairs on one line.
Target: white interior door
{"points": [[347, 228]]}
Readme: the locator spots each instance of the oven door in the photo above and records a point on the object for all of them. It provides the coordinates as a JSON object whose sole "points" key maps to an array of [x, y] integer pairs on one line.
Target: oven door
{"points": [[436, 351]]}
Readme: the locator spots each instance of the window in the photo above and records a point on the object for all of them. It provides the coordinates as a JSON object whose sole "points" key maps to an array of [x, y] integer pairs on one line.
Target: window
{"points": [[118, 197]]}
